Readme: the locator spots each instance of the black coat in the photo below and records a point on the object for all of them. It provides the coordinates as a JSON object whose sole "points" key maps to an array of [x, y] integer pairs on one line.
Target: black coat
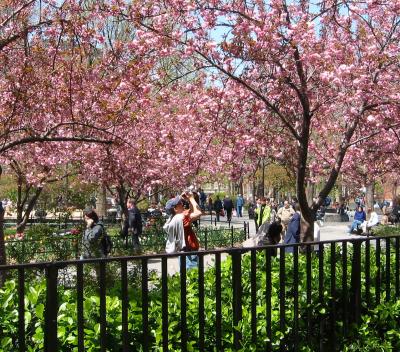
{"points": [[133, 222], [293, 231], [218, 205], [228, 204]]}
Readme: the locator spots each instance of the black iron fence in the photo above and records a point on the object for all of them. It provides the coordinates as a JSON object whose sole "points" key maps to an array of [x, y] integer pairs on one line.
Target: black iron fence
{"points": [[284, 298]]}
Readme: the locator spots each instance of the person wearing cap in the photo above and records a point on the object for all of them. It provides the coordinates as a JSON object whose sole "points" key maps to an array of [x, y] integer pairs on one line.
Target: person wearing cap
{"points": [[91, 240], [178, 226]]}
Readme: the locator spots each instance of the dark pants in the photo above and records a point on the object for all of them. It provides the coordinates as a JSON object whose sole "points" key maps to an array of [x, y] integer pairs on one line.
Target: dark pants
{"points": [[135, 241], [217, 214], [239, 210], [228, 215]]}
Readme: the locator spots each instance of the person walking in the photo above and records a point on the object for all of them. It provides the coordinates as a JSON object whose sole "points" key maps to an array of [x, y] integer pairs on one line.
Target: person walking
{"points": [[239, 205], [210, 204], [203, 199], [133, 224], [263, 213], [285, 214], [91, 240], [293, 229], [218, 207], [228, 206]]}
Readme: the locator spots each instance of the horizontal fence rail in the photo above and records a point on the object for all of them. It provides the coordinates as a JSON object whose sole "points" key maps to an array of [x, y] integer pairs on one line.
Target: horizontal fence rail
{"points": [[284, 297]]}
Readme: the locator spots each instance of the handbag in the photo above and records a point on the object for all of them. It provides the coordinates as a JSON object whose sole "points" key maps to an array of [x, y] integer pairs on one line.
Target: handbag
{"points": [[222, 213]]}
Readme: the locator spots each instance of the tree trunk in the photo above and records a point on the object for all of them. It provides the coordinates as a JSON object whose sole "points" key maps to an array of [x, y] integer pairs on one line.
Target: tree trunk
{"points": [[101, 202], [307, 224], [2, 247], [394, 190], [24, 216], [369, 195], [122, 200], [310, 192], [254, 191]]}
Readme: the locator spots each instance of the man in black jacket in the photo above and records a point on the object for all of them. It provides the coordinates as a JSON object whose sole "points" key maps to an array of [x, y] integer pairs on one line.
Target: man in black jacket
{"points": [[133, 224], [228, 206]]}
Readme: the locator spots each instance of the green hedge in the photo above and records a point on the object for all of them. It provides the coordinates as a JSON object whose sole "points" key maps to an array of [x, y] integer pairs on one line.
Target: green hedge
{"points": [[320, 313], [41, 242]]}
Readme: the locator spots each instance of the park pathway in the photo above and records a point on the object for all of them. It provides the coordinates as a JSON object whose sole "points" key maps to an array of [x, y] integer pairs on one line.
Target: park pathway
{"points": [[329, 231]]}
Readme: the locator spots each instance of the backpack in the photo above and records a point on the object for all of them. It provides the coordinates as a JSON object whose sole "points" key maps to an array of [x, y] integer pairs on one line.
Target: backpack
{"points": [[105, 242]]}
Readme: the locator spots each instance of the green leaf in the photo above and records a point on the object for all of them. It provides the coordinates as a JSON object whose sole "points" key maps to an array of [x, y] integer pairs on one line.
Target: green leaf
{"points": [[6, 341], [39, 309], [28, 317]]}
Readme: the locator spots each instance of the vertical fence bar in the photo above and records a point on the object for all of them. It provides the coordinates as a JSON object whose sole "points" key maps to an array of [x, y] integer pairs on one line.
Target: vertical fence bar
{"points": [[321, 293], [268, 293], [355, 290], [103, 317], [282, 285], [232, 236], [164, 285], [145, 305], [378, 272], [333, 295], [205, 239], [344, 287], [387, 285], [308, 288], [218, 322], [201, 303], [296, 295], [368, 272], [253, 283], [51, 310], [21, 310], [237, 297], [397, 261], [125, 304], [183, 303], [79, 306]]}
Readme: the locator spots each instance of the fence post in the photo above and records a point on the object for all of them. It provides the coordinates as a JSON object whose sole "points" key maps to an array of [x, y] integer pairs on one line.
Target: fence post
{"points": [[237, 298], [232, 236], [2, 246], [355, 288], [205, 238], [51, 310]]}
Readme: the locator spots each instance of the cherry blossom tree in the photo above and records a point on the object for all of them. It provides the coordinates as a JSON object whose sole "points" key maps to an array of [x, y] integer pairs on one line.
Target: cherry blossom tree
{"points": [[326, 73]]}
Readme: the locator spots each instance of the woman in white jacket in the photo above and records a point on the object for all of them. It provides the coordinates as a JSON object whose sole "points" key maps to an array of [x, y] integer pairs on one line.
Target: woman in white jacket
{"points": [[371, 222]]}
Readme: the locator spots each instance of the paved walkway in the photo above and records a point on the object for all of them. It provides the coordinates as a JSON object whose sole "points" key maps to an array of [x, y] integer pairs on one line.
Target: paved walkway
{"points": [[329, 231]]}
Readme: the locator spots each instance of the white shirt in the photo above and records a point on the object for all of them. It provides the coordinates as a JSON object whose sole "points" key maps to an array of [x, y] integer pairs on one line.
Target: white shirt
{"points": [[373, 220]]}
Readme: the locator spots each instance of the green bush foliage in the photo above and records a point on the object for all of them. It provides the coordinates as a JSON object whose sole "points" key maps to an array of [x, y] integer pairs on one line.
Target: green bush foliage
{"points": [[320, 311]]}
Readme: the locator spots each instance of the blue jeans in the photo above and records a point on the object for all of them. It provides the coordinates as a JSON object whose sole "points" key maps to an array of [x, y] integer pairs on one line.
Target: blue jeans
{"points": [[192, 261], [354, 225], [239, 210]]}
